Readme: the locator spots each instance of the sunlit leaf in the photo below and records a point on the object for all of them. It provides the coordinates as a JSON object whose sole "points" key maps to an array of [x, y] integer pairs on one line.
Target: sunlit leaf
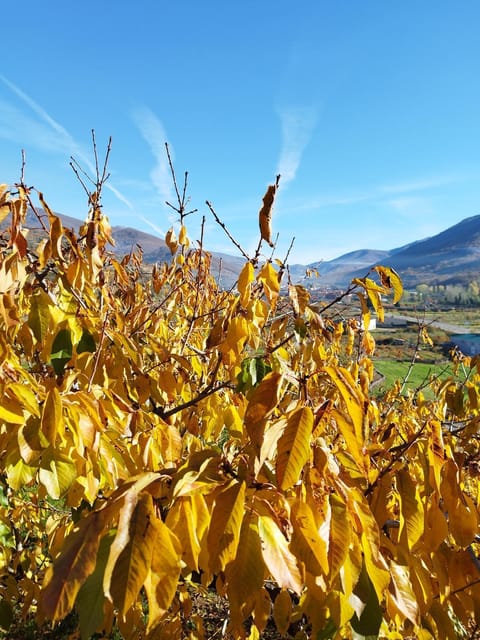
{"points": [[277, 556], [134, 562], [293, 449], [390, 279], [56, 473], [411, 509], [262, 403], [307, 544], [52, 418], [162, 579], [246, 572], [246, 277], [224, 530]]}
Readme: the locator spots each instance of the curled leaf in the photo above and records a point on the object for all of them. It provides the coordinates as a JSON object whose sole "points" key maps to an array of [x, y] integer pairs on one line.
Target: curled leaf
{"points": [[265, 214]]}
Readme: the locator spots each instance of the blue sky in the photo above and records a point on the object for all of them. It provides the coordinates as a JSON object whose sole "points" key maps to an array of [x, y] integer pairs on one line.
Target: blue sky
{"points": [[369, 109]]}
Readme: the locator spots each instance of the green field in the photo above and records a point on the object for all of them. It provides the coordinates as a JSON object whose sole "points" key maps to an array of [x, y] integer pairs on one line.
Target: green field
{"points": [[417, 378]]}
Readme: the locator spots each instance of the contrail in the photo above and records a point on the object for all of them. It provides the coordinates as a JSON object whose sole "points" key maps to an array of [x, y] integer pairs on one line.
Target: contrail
{"points": [[66, 140], [298, 124]]}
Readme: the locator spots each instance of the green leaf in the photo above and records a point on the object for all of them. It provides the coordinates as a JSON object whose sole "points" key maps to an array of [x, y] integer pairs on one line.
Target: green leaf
{"points": [[87, 343], [6, 614], [62, 351], [370, 619], [329, 632], [253, 370]]}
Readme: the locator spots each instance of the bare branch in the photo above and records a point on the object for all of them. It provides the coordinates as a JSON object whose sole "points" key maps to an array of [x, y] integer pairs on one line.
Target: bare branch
{"points": [[219, 222]]}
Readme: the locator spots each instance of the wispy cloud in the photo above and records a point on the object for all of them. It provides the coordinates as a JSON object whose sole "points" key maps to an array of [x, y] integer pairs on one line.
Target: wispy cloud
{"points": [[422, 184], [297, 125], [152, 225], [153, 132], [44, 132], [64, 140], [402, 196]]}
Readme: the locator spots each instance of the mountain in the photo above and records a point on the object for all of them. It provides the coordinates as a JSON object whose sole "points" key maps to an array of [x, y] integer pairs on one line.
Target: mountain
{"points": [[450, 257]]}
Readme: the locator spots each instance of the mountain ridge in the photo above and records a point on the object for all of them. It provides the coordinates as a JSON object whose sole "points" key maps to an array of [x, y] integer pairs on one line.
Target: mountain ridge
{"points": [[449, 257]]}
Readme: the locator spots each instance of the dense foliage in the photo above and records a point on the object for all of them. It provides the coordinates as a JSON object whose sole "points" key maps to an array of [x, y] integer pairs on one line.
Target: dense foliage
{"points": [[157, 433]]}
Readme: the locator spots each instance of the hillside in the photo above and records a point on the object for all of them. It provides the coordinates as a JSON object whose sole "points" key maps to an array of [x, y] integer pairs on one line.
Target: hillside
{"points": [[450, 257]]}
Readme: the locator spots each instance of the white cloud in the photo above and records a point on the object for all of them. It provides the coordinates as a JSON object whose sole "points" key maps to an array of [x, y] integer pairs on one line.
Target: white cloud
{"points": [[411, 206], [422, 184], [19, 126], [297, 124], [152, 225], [153, 132]]}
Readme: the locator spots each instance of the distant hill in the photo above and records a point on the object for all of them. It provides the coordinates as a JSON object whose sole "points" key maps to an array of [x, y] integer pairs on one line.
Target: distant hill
{"points": [[450, 257]]}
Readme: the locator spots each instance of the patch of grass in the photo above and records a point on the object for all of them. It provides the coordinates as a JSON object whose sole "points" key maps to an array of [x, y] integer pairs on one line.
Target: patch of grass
{"points": [[421, 372]]}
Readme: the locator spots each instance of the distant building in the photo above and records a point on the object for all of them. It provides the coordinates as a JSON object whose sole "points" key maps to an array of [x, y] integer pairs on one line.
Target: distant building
{"points": [[467, 343]]}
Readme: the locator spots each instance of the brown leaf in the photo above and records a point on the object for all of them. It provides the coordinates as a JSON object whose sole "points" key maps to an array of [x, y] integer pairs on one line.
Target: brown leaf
{"points": [[265, 214]]}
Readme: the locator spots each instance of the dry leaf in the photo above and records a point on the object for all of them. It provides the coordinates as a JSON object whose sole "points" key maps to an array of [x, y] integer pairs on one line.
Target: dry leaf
{"points": [[265, 214]]}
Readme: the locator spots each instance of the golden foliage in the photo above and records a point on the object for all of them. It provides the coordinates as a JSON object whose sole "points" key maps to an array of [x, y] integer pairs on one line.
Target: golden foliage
{"points": [[154, 427]]}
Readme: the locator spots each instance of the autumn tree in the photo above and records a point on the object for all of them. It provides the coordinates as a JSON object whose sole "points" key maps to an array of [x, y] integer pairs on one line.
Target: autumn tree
{"points": [[157, 432]]}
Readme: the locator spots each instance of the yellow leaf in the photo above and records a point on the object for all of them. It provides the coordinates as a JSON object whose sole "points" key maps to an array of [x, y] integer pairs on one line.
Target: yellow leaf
{"points": [[307, 544], [25, 396], [365, 310], [463, 522], [245, 574], [162, 579], [299, 297], [11, 412], [31, 441], [411, 509], [124, 499], [403, 595], [52, 418], [352, 396], [72, 567], [19, 474], [133, 563], [264, 399], [90, 600], [282, 611], [293, 448], [269, 277], [39, 316], [182, 522], [224, 531], [436, 526], [436, 450], [57, 473], [246, 277], [171, 241], [279, 559], [340, 534], [183, 237], [375, 563], [390, 279]]}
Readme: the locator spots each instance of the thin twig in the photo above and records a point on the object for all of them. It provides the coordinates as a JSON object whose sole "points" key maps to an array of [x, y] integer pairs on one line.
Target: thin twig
{"points": [[218, 221]]}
